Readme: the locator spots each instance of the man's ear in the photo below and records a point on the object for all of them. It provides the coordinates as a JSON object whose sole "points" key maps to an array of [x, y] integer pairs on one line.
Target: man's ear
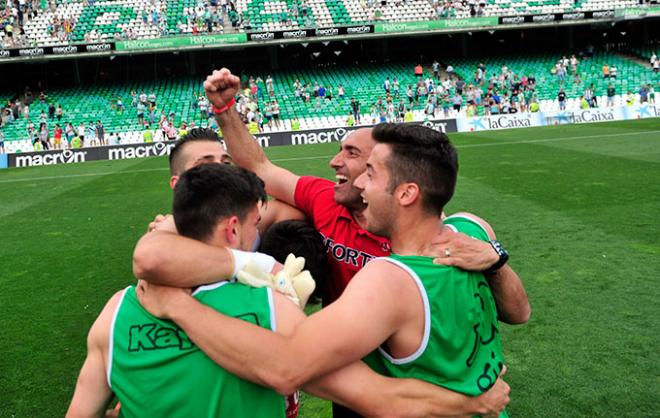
{"points": [[407, 193], [231, 230], [173, 181]]}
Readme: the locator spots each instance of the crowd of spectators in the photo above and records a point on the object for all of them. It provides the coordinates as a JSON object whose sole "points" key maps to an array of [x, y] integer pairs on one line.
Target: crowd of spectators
{"points": [[437, 92], [503, 92], [258, 105], [208, 16], [448, 9], [17, 13], [49, 129], [14, 15]]}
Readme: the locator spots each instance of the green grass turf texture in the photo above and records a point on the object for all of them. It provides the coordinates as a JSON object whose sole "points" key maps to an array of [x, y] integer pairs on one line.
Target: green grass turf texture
{"points": [[577, 207]]}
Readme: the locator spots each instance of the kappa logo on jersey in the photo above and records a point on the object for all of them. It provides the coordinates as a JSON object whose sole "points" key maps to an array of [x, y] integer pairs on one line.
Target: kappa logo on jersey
{"points": [[153, 336], [348, 255]]}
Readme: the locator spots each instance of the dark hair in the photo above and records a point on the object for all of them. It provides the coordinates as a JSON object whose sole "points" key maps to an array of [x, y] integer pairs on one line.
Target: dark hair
{"points": [[195, 134], [423, 156], [303, 240], [210, 192]]}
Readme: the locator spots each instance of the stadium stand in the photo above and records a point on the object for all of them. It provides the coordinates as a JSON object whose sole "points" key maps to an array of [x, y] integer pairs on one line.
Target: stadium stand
{"points": [[70, 21], [365, 83]]}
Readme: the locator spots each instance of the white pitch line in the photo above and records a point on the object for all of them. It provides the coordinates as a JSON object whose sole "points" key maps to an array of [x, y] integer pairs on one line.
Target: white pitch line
{"points": [[318, 157], [106, 173]]}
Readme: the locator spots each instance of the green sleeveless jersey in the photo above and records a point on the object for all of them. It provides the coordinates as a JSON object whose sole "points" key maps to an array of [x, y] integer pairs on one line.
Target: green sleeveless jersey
{"points": [[461, 348], [156, 371]]}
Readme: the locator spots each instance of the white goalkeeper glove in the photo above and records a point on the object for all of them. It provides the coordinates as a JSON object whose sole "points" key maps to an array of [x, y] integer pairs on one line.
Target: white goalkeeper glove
{"points": [[295, 282], [291, 281]]}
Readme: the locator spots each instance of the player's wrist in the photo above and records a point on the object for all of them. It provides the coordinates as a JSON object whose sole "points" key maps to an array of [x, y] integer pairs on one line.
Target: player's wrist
{"points": [[476, 405], [220, 108], [492, 258], [241, 258], [179, 306], [502, 257]]}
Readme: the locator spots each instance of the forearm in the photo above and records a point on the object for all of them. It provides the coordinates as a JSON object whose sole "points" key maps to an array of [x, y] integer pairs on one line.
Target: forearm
{"points": [[169, 259], [415, 398], [244, 149], [510, 296], [246, 350], [362, 390]]}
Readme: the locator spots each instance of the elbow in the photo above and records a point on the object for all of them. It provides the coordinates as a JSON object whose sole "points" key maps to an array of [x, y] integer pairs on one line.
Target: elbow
{"points": [[145, 261], [525, 315], [287, 384], [521, 316], [284, 381]]}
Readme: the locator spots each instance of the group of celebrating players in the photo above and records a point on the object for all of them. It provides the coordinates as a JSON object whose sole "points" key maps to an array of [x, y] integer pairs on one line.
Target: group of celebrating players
{"points": [[412, 298]]}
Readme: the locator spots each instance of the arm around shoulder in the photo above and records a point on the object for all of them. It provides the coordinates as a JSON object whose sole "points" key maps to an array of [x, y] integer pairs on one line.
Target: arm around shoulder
{"points": [[169, 259]]}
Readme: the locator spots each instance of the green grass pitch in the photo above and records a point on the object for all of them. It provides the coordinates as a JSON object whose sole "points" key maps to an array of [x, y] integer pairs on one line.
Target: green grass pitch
{"points": [[577, 207]]}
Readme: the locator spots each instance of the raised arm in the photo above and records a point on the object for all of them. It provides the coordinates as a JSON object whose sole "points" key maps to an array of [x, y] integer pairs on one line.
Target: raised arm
{"points": [[92, 393], [221, 88]]}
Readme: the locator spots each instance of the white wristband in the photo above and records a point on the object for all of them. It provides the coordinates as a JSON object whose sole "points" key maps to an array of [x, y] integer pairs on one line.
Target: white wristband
{"points": [[241, 258]]}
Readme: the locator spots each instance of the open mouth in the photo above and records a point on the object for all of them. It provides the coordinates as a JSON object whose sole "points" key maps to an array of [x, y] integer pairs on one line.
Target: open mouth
{"points": [[341, 179]]}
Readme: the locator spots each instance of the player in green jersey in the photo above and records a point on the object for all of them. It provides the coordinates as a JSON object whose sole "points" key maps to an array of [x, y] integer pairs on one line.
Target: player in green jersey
{"points": [[410, 176], [155, 370]]}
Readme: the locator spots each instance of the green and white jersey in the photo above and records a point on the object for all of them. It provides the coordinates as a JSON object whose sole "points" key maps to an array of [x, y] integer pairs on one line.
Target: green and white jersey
{"points": [[461, 348], [156, 371]]}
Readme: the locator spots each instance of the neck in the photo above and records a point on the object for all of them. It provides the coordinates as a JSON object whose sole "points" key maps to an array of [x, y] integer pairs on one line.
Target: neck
{"points": [[412, 234], [358, 215]]}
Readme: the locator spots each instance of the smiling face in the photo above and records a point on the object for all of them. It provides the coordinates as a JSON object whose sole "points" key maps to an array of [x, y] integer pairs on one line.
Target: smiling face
{"points": [[349, 163], [377, 194]]}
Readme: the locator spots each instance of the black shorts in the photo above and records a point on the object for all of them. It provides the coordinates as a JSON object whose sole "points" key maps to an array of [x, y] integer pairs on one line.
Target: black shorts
{"points": [[457, 107], [276, 115]]}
